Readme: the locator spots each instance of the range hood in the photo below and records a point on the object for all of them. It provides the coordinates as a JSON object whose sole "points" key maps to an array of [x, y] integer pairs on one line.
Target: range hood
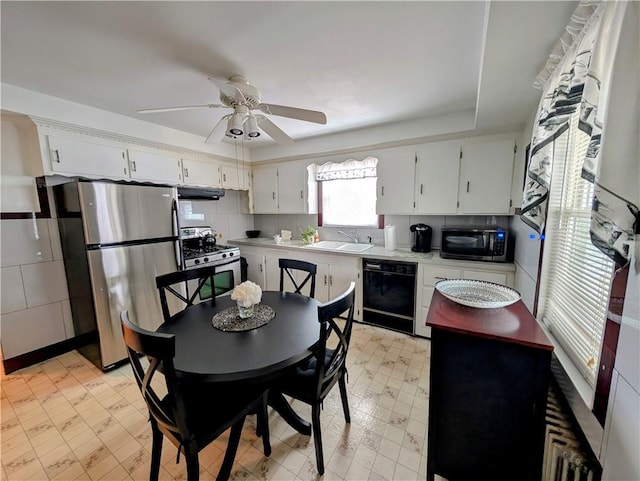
{"points": [[202, 193]]}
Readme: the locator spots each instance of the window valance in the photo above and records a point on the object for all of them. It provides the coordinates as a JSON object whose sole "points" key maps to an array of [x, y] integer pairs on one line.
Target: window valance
{"points": [[349, 169]]}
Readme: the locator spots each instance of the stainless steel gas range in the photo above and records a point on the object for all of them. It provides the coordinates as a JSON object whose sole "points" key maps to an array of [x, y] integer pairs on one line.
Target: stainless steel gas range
{"points": [[200, 248]]}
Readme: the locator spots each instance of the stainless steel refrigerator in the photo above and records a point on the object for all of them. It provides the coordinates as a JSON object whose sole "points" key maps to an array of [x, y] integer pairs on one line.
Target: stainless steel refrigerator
{"points": [[116, 238]]}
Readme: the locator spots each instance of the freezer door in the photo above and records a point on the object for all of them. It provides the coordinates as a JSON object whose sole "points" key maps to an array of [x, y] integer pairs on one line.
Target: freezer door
{"points": [[123, 278], [114, 213]]}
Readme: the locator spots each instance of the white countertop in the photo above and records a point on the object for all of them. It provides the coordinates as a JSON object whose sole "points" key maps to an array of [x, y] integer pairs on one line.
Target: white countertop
{"points": [[377, 252]]}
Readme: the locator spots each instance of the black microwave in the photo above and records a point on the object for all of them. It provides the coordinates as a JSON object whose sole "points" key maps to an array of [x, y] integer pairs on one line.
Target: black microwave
{"points": [[476, 243]]}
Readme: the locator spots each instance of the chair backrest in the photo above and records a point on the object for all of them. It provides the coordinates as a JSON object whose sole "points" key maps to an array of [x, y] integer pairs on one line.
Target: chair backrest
{"points": [[159, 349], [288, 266], [327, 372], [168, 283]]}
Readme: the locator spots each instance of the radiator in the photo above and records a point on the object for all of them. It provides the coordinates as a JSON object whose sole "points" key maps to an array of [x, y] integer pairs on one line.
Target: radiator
{"points": [[567, 457]]}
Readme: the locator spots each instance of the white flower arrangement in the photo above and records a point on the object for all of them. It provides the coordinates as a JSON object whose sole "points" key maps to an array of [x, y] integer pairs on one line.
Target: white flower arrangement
{"points": [[247, 294]]}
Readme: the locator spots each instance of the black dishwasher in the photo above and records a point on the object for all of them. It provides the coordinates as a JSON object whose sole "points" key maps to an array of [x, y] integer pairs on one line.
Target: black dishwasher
{"points": [[388, 298]]}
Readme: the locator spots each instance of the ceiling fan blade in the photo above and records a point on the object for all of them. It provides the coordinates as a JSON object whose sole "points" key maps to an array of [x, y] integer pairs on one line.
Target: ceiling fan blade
{"points": [[218, 131], [227, 89], [273, 131], [183, 107], [294, 113]]}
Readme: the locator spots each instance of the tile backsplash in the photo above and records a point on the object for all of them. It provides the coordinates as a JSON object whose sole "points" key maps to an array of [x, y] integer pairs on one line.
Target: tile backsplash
{"points": [[272, 224]]}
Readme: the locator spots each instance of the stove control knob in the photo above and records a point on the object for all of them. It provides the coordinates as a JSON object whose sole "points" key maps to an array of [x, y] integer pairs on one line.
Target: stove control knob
{"points": [[197, 261], [224, 255], [230, 254], [206, 259]]}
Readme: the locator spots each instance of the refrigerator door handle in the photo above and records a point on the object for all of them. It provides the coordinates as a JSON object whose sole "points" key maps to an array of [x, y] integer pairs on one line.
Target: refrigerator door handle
{"points": [[175, 226]]}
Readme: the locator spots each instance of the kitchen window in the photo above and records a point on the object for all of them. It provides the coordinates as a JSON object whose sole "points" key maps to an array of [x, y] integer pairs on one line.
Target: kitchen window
{"points": [[347, 192], [576, 277]]}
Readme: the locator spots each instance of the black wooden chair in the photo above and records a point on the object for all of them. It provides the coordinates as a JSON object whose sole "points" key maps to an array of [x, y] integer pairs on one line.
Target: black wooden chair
{"points": [[202, 279], [192, 414], [288, 268], [311, 382]]}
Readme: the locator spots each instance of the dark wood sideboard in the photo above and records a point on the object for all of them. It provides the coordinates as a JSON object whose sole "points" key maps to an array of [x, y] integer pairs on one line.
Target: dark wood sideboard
{"points": [[490, 371]]}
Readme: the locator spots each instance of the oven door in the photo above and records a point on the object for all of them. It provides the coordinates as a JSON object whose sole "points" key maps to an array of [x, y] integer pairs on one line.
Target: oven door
{"points": [[226, 278]]}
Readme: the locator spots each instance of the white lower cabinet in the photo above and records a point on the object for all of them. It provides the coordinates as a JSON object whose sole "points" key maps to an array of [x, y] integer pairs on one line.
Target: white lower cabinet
{"points": [[256, 269], [428, 275]]}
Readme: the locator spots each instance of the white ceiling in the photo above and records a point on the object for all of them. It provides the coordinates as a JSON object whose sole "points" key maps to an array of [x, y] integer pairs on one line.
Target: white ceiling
{"points": [[362, 63]]}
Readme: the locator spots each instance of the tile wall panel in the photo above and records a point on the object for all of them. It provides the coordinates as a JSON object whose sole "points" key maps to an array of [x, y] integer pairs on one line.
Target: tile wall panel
{"points": [[13, 298], [30, 329], [44, 283], [24, 242]]}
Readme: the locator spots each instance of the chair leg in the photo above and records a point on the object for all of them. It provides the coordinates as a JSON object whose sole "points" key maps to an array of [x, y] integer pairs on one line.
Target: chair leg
{"points": [[317, 437], [156, 451], [345, 402], [263, 424], [232, 448], [193, 465]]}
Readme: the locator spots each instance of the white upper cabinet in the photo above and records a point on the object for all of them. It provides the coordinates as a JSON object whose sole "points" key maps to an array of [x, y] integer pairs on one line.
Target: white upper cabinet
{"points": [[265, 190], [281, 189], [147, 166], [437, 177], [396, 169], [200, 173], [235, 177], [291, 188], [486, 171], [78, 157]]}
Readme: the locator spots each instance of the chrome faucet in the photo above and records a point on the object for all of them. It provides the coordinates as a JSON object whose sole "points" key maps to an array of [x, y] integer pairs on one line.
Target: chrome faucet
{"points": [[355, 238]]}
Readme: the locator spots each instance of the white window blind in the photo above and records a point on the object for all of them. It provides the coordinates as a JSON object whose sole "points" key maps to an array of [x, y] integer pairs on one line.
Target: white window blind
{"points": [[576, 277]]}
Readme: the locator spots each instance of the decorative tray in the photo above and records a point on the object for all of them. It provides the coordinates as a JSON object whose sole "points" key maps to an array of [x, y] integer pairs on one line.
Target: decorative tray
{"points": [[481, 294]]}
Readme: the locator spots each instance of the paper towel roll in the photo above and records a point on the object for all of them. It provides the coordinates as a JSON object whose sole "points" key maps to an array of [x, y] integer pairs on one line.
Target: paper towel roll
{"points": [[390, 237]]}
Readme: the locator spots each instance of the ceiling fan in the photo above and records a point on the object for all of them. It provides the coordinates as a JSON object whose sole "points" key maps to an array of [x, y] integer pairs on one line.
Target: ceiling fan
{"points": [[238, 94]]}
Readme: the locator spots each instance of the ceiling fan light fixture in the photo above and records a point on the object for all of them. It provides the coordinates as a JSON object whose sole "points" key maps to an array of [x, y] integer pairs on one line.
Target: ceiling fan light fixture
{"points": [[234, 126], [251, 126]]}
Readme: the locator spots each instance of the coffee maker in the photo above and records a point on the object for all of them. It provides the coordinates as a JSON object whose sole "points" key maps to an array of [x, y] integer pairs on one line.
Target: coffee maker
{"points": [[421, 237]]}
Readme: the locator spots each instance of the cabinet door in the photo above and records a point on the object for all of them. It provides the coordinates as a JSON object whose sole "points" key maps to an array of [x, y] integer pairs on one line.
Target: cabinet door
{"points": [[291, 187], [396, 170], [197, 173], [495, 277], [437, 178], [427, 278], [154, 167], [235, 178], [342, 273], [265, 190], [256, 271], [86, 158], [485, 177]]}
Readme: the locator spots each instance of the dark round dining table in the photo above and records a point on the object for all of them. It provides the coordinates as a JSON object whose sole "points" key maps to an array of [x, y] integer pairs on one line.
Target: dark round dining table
{"points": [[258, 355]]}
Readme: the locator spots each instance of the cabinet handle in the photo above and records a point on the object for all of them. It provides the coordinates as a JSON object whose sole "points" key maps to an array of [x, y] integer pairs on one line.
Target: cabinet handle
{"points": [[273, 195], [441, 278], [421, 186], [56, 156], [186, 172], [325, 279], [468, 186], [133, 166], [382, 193], [302, 194], [224, 177], [330, 280], [260, 267]]}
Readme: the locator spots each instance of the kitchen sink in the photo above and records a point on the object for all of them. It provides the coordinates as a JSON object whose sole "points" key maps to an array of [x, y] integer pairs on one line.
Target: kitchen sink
{"points": [[327, 244], [348, 247], [341, 246]]}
